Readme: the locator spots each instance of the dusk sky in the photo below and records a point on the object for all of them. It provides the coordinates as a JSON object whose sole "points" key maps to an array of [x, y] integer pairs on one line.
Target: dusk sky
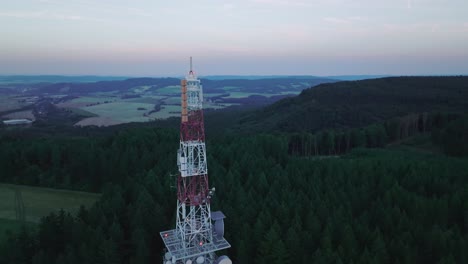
{"points": [[243, 37]]}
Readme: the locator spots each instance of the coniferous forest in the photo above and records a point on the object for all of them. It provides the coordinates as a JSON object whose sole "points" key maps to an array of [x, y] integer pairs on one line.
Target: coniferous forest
{"points": [[390, 191]]}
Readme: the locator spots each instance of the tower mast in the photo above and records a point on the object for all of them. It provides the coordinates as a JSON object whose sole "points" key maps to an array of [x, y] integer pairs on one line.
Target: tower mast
{"points": [[199, 232]]}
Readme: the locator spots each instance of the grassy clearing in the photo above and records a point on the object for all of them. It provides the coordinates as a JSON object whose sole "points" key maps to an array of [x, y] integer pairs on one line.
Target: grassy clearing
{"points": [[121, 111], [209, 95], [141, 89], [85, 101], [244, 94], [173, 89], [82, 112], [146, 99], [20, 115], [231, 88], [419, 143], [39, 202], [107, 94], [9, 103], [98, 121], [172, 100], [93, 99], [166, 112], [207, 105]]}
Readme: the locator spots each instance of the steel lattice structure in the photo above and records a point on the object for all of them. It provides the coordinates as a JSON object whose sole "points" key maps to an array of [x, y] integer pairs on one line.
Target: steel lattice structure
{"points": [[199, 232]]}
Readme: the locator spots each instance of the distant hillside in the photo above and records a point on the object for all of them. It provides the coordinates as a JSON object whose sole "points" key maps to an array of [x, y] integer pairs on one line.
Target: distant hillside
{"points": [[210, 86], [356, 77], [257, 77], [359, 103], [56, 78], [105, 86], [273, 85]]}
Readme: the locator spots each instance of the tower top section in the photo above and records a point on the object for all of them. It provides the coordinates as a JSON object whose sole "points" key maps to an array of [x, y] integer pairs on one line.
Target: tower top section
{"points": [[191, 74], [191, 69]]}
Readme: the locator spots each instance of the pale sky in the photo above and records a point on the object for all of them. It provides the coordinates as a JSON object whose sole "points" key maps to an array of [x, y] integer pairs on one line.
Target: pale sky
{"points": [[243, 37]]}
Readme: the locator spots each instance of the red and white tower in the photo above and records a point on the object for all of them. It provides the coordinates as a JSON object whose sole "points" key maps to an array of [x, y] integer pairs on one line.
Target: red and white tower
{"points": [[199, 233]]}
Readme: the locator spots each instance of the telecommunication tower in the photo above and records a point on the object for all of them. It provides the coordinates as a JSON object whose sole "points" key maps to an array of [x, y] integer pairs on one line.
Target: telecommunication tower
{"points": [[199, 233]]}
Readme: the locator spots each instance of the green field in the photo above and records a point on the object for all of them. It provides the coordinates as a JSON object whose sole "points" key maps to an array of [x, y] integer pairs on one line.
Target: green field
{"points": [[82, 112], [166, 112], [175, 89], [150, 99], [39, 202], [172, 100], [9, 103], [121, 111], [209, 95], [108, 108], [93, 100], [244, 94], [217, 105], [229, 88], [141, 89]]}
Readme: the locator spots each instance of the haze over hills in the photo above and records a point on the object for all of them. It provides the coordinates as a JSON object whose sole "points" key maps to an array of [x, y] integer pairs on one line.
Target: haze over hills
{"points": [[253, 77], [210, 86], [56, 78], [355, 77], [97, 78]]}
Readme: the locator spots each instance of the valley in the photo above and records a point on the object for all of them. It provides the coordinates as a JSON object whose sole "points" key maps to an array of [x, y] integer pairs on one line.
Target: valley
{"points": [[114, 102]]}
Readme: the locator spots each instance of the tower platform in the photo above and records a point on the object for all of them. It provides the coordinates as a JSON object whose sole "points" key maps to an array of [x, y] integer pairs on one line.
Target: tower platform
{"points": [[174, 245]]}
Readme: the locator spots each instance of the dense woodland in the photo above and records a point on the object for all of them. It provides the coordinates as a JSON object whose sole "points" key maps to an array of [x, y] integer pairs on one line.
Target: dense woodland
{"points": [[353, 104], [335, 195]]}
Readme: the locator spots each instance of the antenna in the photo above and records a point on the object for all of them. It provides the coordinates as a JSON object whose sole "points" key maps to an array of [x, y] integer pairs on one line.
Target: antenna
{"points": [[191, 71]]}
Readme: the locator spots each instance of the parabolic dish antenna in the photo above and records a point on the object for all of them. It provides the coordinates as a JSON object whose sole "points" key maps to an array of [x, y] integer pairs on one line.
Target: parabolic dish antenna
{"points": [[223, 260]]}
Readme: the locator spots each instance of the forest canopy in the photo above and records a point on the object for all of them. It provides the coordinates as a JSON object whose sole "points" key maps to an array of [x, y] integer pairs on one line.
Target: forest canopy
{"points": [[369, 185]]}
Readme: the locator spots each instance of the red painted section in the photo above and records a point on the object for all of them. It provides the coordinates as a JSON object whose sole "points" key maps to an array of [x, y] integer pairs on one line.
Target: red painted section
{"points": [[193, 190], [194, 128]]}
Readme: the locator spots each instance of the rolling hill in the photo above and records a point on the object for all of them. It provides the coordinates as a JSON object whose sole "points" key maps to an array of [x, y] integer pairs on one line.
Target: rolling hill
{"points": [[210, 86], [359, 103]]}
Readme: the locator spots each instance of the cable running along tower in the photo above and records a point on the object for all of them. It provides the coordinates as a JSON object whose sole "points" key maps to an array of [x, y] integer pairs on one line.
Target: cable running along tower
{"points": [[199, 233]]}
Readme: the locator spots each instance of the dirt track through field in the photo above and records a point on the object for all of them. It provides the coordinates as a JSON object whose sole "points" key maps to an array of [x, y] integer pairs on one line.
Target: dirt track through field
{"points": [[19, 206]]}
